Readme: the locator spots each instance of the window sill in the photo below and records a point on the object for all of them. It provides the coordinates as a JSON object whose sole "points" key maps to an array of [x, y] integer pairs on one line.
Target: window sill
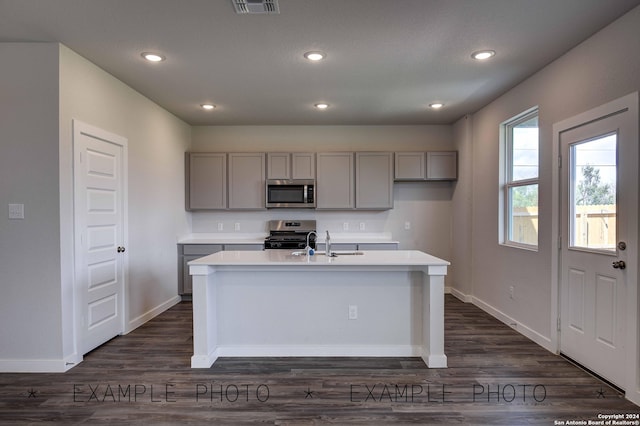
{"points": [[520, 246]]}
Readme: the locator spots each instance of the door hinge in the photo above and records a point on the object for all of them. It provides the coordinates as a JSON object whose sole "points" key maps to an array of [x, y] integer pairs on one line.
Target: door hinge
{"points": [[559, 242], [558, 324], [559, 161]]}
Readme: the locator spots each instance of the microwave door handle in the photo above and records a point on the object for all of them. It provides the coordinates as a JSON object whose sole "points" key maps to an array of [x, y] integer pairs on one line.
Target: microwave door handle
{"points": [[305, 194]]}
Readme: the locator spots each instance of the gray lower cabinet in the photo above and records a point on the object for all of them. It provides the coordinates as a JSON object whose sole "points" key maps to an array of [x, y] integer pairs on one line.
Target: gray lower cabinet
{"points": [[359, 246], [189, 252]]}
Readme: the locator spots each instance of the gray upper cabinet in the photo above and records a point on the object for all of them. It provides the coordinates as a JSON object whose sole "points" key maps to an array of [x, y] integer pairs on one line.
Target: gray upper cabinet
{"points": [[303, 165], [442, 165], [247, 181], [374, 180], [410, 166], [278, 165], [335, 186], [206, 181], [297, 165]]}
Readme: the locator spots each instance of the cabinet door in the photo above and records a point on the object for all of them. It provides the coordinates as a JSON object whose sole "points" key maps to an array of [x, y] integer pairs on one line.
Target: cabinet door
{"points": [[335, 181], [303, 165], [374, 180], [187, 253], [244, 247], [377, 246], [410, 166], [338, 247], [206, 181], [442, 165], [278, 165], [247, 181]]}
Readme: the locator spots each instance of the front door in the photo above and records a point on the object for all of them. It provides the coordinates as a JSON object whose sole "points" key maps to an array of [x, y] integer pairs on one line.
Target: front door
{"points": [[598, 176], [99, 182]]}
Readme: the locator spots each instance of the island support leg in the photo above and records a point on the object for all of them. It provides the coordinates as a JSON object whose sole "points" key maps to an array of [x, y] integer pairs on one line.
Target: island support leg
{"points": [[205, 324], [433, 321]]}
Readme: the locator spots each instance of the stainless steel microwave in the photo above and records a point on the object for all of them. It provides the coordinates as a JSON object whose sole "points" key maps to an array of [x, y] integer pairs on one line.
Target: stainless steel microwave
{"points": [[291, 193]]}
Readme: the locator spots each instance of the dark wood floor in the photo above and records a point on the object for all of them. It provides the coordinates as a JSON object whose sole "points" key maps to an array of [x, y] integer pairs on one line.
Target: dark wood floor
{"points": [[495, 377]]}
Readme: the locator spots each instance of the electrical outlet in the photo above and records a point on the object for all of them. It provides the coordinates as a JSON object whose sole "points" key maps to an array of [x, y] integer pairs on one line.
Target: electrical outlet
{"points": [[236, 226], [407, 225], [353, 312], [220, 226], [511, 291], [362, 226], [16, 211], [345, 226]]}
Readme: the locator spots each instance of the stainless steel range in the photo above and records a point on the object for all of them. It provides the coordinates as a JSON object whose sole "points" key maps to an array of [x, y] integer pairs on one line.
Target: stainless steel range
{"points": [[290, 234]]}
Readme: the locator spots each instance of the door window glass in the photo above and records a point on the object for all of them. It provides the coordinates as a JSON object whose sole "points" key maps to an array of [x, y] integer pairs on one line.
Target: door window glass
{"points": [[593, 206]]}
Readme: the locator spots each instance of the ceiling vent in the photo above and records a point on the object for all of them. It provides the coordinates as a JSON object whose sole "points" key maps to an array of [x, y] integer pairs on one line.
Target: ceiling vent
{"points": [[256, 6]]}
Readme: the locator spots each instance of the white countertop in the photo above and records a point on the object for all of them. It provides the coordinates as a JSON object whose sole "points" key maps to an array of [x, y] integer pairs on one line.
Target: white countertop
{"points": [[287, 258]]}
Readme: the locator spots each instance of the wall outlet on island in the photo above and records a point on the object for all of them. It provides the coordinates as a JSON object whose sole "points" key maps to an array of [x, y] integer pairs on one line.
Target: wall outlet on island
{"points": [[353, 312]]}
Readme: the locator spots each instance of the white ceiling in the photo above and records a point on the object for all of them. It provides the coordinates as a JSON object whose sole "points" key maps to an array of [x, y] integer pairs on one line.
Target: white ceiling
{"points": [[386, 59]]}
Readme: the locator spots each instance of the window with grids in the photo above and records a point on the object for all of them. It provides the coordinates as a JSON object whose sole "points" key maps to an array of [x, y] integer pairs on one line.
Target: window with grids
{"points": [[520, 180]]}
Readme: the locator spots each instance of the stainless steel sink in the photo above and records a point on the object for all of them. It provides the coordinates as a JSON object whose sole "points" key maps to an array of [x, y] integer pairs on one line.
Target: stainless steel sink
{"points": [[322, 253], [344, 253]]}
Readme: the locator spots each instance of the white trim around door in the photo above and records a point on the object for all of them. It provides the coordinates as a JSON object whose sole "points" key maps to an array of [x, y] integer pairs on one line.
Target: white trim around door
{"points": [[100, 235], [629, 107]]}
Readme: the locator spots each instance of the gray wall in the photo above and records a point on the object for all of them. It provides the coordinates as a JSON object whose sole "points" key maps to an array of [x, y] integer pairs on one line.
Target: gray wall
{"points": [[602, 68], [30, 314], [44, 87]]}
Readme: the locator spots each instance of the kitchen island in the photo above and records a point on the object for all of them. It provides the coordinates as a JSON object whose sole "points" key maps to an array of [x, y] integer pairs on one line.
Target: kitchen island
{"points": [[284, 303]]}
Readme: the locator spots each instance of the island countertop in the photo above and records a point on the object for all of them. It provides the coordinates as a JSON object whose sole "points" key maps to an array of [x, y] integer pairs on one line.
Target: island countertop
{"points": [[344, 258], [277, 303]]}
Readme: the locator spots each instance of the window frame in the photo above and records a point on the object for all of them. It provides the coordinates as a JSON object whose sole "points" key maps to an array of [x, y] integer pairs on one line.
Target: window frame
{"points": [[507, 182]]}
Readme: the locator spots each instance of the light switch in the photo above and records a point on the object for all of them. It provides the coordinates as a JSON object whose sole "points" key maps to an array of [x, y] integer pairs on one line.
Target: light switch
{"points": [[16, 211]]}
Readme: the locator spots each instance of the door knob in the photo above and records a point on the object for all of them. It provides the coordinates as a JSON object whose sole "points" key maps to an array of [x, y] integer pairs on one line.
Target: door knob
{"points": [[120, 249], [619, 264]]}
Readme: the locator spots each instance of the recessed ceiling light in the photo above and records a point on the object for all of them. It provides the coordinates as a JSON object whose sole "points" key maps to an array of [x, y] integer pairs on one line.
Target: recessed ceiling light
{"points": [[436, 105], [481, 55], [153, 57], [208, 107], [322, 105], [315, 56]]}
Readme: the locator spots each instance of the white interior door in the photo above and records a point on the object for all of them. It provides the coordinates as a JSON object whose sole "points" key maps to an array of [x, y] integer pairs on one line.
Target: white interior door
{"points": [[599, 243], [99, 198]]}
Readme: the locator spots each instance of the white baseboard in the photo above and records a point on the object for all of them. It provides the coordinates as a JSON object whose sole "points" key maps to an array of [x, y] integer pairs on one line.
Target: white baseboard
{"points": [[37, 365], [459, 295], [538, 338], [151, 313], [319, 351], [531, 334]]}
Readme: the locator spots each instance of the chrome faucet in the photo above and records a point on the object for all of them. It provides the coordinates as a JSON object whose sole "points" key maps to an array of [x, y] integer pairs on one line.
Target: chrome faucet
{"points": [[307, 247], [327, 244]]}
